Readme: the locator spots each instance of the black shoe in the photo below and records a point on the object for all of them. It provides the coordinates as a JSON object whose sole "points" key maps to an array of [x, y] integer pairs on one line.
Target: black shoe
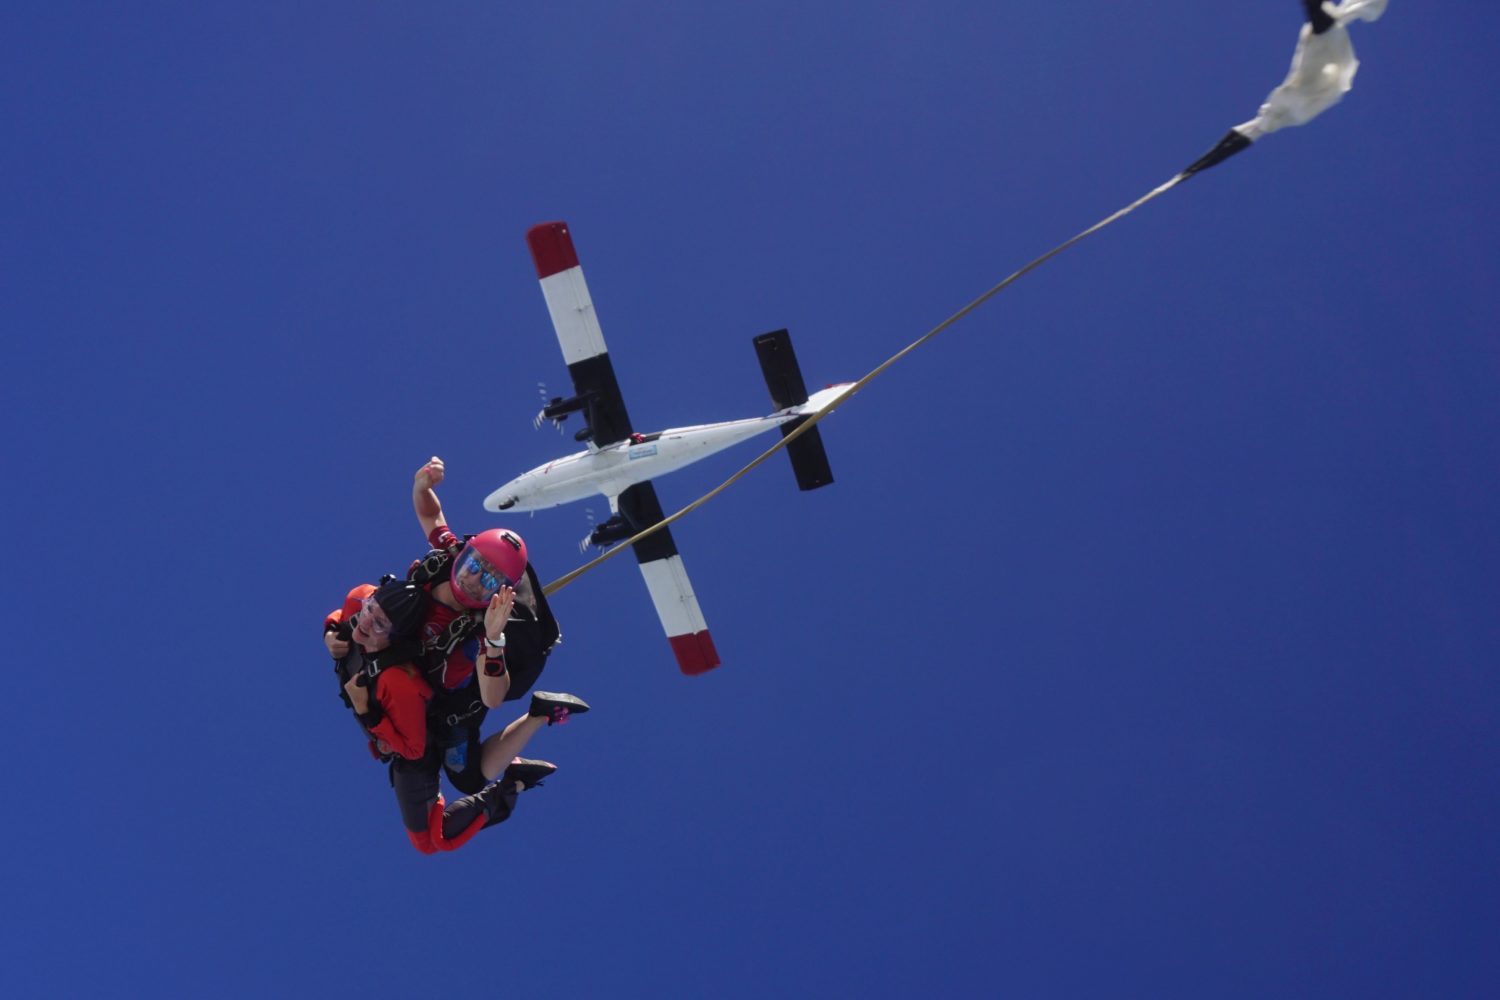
{"points": [[497, 799], [528, 772], [556, 707]]}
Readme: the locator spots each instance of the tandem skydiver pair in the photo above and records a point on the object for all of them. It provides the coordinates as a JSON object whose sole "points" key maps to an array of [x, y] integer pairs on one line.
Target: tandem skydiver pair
{"points": [[422, 660]]}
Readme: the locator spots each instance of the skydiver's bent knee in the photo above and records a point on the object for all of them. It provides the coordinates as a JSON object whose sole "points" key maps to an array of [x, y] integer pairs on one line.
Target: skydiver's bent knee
{"points": [[416, 786]]}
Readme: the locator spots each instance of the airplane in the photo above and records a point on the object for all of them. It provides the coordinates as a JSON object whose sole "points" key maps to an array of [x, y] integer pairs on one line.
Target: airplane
{"points": [[620, 463]]}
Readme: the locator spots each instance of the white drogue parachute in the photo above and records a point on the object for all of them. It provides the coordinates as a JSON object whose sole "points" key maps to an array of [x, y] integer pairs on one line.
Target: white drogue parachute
{"points": [[1322, 72], [1323, 69]]}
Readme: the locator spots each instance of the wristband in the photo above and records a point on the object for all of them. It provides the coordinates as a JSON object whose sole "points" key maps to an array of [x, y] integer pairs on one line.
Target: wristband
{"points": [[495, 643]]}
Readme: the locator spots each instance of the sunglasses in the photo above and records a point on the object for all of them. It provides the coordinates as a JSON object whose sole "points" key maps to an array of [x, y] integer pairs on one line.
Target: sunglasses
{"points": [[378, 626], [490, 580]]}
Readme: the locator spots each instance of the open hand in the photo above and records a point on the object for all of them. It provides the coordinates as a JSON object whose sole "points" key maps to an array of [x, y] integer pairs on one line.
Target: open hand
{"points": [[498, 613]]}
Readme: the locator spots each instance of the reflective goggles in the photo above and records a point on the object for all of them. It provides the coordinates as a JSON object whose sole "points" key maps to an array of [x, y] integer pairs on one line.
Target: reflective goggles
{"points": [[491, 580]]}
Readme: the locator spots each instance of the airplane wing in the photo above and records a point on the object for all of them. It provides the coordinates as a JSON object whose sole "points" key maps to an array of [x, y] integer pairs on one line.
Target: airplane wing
{"points": [[596, 396], [666, 579], [596, 393]]}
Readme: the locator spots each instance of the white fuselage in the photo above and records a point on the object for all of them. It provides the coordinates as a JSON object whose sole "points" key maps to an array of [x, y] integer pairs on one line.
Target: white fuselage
{"points": [[613, 469]]}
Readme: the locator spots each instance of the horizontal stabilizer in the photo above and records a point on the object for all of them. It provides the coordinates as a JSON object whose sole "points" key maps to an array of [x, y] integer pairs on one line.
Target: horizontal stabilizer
{"points": [[809, 460], [778, 363]]}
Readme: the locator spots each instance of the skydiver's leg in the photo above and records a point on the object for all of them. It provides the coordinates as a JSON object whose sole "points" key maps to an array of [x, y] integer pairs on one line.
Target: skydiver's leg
{"points": [[416, 786], [501, 748], [1317, 16], [492, 805], [546, 708], [435, 826]]}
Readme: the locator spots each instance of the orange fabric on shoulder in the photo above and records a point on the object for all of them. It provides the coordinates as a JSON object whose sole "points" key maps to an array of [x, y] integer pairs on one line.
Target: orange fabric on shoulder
{"points": [[352, 602]]}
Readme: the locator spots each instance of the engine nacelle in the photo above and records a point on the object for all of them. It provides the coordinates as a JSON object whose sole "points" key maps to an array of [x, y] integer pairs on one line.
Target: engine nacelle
{"points": [[558, 408], [616, 529]]}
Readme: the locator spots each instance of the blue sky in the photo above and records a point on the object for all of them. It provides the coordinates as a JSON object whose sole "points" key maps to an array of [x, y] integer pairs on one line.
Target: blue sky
{"points": [[1144, 646]]}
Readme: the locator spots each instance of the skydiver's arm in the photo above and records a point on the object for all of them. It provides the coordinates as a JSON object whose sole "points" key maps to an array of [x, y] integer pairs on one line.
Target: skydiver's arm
{"points": [[424, 500], [494, 680], [337, 647], [359, 700], [492, 687]]}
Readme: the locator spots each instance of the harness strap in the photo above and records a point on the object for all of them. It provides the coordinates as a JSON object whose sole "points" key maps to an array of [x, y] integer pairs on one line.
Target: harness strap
{"points": [[433, 566], [455, 718], [436, 564], [400, 651]]}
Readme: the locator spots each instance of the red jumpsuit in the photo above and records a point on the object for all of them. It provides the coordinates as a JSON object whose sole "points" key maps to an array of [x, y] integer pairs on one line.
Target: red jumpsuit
{"points": [[400, 692]]}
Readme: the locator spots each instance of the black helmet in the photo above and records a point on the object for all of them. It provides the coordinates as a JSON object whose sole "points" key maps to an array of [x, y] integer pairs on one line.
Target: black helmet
{"points": [[405, 604]]}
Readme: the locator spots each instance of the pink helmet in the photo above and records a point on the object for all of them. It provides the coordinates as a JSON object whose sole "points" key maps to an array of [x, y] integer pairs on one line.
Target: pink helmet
{"points": [[492, 559]]}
